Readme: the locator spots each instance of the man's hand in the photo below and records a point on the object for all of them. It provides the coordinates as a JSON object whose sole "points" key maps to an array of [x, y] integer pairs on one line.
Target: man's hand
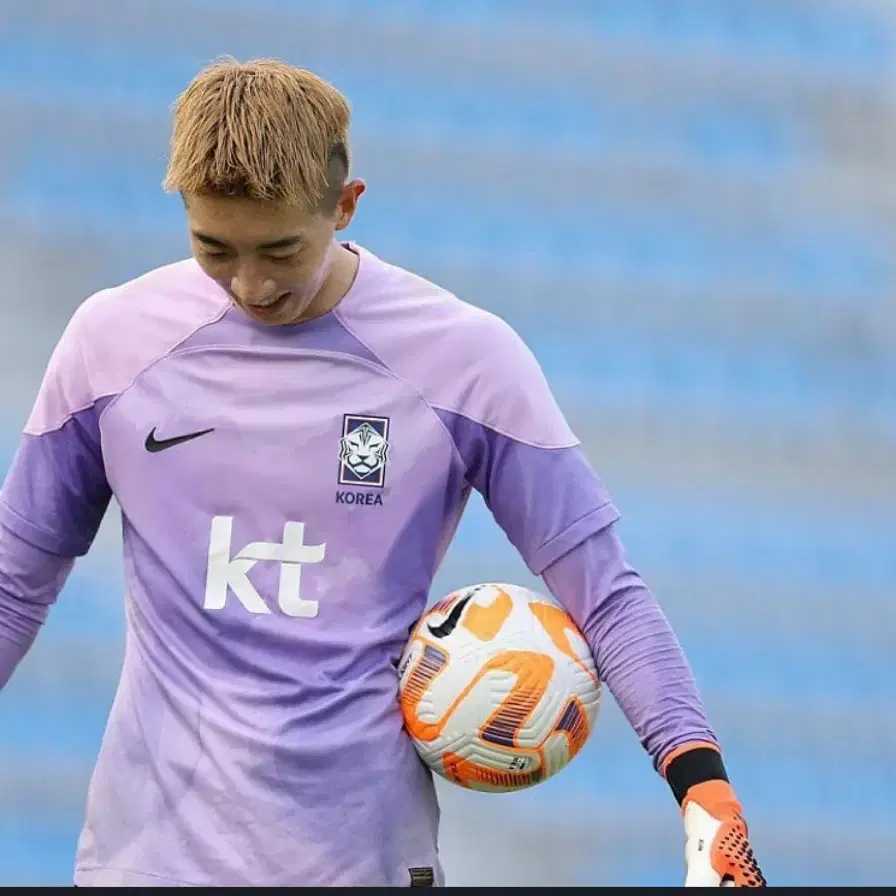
{"points": [[717, 851]]}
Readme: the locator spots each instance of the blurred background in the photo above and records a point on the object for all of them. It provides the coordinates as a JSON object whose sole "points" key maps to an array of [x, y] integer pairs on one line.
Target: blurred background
{"points": [[687, 208]]}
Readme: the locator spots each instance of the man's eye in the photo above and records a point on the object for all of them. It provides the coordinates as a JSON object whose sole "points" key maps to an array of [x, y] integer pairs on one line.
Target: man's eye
{"points": [[214, 255], [284, 259]]}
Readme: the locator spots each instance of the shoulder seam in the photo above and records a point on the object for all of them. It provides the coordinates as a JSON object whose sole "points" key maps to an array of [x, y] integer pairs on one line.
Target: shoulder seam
{"points": [[436, 408], [69, 416], [113, 396], [508, 435], [454, 449], [174, 348]]}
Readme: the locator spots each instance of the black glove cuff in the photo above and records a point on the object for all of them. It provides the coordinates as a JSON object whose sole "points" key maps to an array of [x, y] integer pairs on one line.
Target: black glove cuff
{"points": [[694, 767]]}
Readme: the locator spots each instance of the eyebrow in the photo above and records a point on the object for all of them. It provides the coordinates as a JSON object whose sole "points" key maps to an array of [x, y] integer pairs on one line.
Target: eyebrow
{"points": [[286, 242]]}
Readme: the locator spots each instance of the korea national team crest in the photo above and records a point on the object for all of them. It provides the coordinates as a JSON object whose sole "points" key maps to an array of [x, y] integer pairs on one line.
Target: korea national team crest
{"points": [[363, 450]]}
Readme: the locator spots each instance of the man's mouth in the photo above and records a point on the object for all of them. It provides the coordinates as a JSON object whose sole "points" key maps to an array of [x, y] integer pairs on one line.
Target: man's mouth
{"points": [[271, 311], [274, 303]]}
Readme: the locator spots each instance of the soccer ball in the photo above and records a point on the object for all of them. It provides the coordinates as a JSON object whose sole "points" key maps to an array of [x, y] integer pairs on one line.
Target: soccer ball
{"points": [[498, 687]]}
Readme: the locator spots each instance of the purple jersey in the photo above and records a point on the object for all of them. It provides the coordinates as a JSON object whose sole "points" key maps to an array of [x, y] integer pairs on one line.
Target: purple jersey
{"points": [[287, 495]]}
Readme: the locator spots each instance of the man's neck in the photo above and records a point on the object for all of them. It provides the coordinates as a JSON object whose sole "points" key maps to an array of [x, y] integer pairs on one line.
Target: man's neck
{"points": [[337, 283]]}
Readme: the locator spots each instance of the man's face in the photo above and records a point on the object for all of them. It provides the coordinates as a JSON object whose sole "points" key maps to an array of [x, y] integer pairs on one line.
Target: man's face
{"points": [[271, 258]]}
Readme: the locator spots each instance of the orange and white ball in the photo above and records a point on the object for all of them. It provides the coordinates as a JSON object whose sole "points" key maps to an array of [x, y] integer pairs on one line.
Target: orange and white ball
{"points": [[498, 687]]}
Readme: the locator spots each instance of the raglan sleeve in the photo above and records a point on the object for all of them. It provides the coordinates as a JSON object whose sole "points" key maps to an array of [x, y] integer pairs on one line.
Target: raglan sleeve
{"points": [[522, 456], [54, 496]]}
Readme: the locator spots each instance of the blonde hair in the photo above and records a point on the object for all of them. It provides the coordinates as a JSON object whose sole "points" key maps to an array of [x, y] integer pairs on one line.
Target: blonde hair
{"points": [[259, 130]]}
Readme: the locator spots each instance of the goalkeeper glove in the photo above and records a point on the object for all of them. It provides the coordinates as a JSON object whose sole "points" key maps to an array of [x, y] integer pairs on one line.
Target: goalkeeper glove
{"points": [[717, 850]]}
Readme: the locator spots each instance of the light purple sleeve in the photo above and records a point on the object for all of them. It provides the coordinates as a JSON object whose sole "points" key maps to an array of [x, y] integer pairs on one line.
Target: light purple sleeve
{"points": [[546, 500], [53, 499], [519, 452], [51, 506], [635, 650], [521, 455], [56, 493]]}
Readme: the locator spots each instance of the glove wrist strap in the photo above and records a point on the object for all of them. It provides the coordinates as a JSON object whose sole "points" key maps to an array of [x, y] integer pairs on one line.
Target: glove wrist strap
{"points": [[694, 767]]}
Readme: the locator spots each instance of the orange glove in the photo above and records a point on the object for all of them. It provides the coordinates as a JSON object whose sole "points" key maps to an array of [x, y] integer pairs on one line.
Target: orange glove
{"points": [[717, 851]]}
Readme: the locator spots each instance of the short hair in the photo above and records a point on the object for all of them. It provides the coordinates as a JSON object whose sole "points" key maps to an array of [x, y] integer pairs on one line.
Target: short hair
{"points": [[262, 129]]}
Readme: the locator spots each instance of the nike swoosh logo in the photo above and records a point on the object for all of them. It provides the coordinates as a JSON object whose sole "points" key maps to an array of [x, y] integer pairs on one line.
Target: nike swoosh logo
{"points": [[153, 445], [450, 624]]}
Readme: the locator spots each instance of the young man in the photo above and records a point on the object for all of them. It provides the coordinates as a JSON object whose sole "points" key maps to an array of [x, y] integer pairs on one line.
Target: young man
{"points": [[292, 427]]}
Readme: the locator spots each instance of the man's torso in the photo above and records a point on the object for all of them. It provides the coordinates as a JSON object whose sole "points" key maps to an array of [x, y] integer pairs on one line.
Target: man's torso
{"points": [[275, 561]]}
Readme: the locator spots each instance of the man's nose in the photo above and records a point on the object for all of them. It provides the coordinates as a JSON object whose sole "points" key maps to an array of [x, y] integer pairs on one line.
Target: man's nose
{"points": [[252, 288]]}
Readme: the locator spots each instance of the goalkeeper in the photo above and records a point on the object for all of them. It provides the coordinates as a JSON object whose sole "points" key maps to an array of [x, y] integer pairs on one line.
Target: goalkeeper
{"points": [[291, 428]]}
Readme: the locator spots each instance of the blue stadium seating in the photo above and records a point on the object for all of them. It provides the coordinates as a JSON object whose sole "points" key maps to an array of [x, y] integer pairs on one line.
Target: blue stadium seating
{"points": [[800, 698]]}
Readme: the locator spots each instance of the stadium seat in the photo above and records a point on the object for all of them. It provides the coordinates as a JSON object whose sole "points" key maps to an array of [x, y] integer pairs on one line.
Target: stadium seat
{"points": [[782, 600]]}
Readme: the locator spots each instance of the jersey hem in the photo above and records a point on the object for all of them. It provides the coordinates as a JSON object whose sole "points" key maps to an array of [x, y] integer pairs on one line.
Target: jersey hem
{"points": [[40, 538], [102, 876], [573, 535]]}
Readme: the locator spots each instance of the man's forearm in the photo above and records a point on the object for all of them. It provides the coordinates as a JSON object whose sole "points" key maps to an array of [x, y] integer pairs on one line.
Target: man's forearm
{"points": [[636, 652], [642, 663]]}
